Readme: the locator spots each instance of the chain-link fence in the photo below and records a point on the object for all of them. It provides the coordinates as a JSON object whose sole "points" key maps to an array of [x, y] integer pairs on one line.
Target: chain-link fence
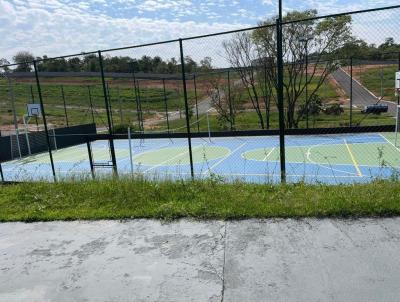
{"points": [[305, 98]]}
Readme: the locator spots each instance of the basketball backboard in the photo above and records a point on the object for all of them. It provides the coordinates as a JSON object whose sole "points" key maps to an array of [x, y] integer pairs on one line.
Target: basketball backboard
{"points": [[33, 110]]}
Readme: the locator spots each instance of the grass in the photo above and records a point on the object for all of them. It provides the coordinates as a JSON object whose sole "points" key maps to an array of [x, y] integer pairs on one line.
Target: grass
{"points": [[77, 100], [380, 79], [207, 199], [250, 121]]}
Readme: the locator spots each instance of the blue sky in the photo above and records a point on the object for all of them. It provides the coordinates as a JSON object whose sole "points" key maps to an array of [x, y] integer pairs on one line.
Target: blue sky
{"points": [[58, 27]]}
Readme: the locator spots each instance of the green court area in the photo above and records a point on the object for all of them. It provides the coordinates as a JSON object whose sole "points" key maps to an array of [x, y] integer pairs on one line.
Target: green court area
{"points": [[73, 154], [363, 151], [172, 156]]}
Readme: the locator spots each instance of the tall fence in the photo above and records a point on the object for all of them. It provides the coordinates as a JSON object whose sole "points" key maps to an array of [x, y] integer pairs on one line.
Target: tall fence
{"points": [[306, 98]]}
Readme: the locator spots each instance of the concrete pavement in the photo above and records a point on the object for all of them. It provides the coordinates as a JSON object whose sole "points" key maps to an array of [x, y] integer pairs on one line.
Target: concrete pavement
{"points": [[250, 260], [361, 95]]}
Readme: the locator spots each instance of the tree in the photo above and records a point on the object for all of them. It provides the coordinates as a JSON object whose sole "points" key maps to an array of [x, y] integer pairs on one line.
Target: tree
{"points": [[74, 64], [21, 58], [190, 64], [248, 52], [224, 98], [242, 54], [2, 63], [320, 38], [206, 64]]}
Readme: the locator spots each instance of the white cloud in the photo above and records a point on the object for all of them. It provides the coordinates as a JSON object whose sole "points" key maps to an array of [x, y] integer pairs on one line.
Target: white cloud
{"points": [[56, 28]]}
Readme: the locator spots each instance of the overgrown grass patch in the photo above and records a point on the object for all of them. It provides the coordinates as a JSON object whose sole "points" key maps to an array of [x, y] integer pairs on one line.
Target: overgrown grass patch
{"points": [[208, 199]]}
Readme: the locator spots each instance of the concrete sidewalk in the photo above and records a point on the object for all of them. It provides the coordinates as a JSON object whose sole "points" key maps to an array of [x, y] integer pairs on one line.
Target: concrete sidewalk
{"points": [[250, 260]]}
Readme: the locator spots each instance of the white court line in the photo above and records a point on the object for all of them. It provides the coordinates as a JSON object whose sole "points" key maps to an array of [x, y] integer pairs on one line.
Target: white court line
{"points": [[269, 153], [323, 165], [165, 161], [224, 158], [389, 142]]}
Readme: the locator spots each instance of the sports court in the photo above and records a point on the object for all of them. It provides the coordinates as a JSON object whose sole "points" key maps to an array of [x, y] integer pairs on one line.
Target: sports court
{"points": [[339, 158]]}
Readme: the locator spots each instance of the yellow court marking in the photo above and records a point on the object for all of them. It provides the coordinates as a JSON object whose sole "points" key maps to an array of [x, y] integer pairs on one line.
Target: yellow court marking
{"points": [[353, 158]]}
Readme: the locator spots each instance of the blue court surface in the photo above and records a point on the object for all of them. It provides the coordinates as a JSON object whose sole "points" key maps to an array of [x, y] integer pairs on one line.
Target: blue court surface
{"points": [[332, 159]]}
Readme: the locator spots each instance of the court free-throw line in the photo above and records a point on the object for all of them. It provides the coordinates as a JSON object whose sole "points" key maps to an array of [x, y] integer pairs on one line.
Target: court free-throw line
{"points": [[353, 158]]}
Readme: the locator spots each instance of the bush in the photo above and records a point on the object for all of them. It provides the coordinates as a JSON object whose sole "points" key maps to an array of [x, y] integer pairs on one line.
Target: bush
{"points": [[123, 128], [334, 109]]}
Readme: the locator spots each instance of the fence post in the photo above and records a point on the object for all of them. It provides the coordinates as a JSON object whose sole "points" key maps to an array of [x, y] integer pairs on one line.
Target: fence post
{"points": [[136, 95], [91, 103], [351, 91], [196, 100], [1, 173], [46, 130], [186, 108], [109, 104], [307, 107], [280, 100], [119, 105], [140, 106], [265, 97], [166, 105], [110, 129], [15, 119], [398, 68], [230, 101], [65, 105], [89, 148]]}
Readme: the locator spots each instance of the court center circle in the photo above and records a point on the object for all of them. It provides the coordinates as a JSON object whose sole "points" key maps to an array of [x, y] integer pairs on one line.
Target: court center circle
{"points": [[172, 156]]}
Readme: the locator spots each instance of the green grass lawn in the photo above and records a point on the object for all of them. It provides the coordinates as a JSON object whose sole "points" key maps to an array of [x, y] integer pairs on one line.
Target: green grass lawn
{"points": [[250, 121], [77, 100], [372, 79], [207, 199]]}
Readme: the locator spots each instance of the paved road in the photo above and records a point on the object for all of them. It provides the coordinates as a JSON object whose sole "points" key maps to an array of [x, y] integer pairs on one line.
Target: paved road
{"points": [[361, 95], [251, 260]]}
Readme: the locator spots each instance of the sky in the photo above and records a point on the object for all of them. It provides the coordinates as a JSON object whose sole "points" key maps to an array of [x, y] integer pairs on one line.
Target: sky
{"points": [[59, 27]]}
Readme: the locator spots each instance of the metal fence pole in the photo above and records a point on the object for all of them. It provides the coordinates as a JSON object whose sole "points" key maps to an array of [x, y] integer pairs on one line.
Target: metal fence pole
{"points": [[109, 104], [398, 68], [119, 105], [110, 129], [1, 173], [307, 107], [89, 148], [91, 103], [15, 119], [280, 101], [136, 96], [44, 121], [65, 105], [351, 91], [140, 106], [166, 104], [230, 100], [265, 97], [196, 100], [186, 108]]}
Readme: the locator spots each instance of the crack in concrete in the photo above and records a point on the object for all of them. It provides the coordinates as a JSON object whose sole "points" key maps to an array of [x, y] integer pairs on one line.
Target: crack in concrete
{"points": [[223, 266]]}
